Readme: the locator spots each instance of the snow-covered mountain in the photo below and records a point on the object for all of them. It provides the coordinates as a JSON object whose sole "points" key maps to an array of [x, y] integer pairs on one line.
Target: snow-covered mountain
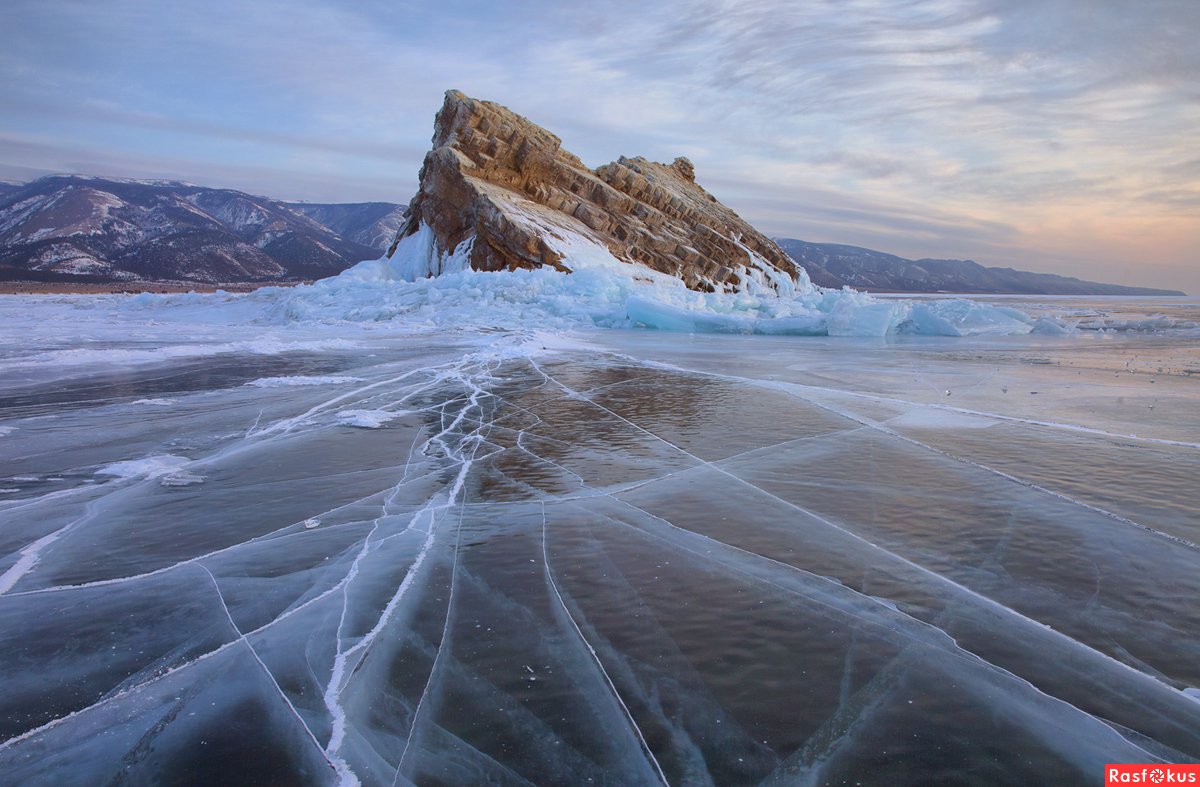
{"points": [[105, 229], [836, 265], [372, 224]]}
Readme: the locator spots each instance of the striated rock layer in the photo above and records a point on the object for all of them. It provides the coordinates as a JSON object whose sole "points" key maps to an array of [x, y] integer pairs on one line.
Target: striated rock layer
{"points": [[495, 177]]}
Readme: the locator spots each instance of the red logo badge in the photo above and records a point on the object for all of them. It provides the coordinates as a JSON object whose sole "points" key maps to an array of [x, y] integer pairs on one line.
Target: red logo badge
{"points": [[1151, 774]]}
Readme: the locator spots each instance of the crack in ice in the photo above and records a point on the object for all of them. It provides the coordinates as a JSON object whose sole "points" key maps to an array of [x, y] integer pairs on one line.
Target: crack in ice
{"points": [[595, 657], [345, 777]]}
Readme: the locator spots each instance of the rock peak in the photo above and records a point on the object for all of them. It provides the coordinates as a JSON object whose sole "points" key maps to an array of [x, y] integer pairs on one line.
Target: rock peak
{"points": [[501, 181], [684, 167]]}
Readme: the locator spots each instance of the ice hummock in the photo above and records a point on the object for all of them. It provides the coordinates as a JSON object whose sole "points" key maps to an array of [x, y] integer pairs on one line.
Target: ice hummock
{"points": [[421, 282]]}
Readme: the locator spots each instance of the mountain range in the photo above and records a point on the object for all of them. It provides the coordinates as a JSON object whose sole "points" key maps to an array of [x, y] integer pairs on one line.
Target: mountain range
{"points": [[73, 228], [370, 224], [837, 265], [91, 229]]}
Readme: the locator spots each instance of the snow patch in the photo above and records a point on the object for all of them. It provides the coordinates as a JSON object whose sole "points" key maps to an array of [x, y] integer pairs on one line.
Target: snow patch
{"points": [[368, 419], [149, 467], [285, 382]]}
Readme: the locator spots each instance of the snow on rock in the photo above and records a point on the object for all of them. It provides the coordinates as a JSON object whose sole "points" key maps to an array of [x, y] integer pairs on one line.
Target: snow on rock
{"points": [[491, 169]]}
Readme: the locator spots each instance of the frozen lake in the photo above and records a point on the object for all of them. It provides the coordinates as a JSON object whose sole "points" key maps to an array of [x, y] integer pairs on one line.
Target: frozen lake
{"points": [[263, 547]]}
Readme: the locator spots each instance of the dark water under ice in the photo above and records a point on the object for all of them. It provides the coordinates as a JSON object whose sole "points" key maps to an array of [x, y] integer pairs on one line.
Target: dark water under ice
{"points": [[466, 559]]}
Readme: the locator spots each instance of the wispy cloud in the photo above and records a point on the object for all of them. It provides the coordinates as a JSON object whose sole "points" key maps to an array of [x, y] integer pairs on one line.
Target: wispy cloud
{"points": [[1013, 131]]}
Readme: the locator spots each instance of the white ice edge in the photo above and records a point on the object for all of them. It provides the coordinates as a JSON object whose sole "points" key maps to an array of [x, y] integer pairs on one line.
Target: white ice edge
{"points": [[425, 284]]}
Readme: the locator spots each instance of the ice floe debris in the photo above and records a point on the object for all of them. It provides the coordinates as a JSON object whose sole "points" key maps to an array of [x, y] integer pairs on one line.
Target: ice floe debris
{"points": [[1157, 322], [149, 467], [6, 430], [606, 292], [1049, 326], [154, 402], [309, 524], [1090, 321], [181, 478], [368, 419], [299, 380]]}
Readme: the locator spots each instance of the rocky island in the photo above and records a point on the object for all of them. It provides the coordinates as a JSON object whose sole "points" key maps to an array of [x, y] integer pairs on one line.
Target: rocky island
{"points": [[503, 183]]}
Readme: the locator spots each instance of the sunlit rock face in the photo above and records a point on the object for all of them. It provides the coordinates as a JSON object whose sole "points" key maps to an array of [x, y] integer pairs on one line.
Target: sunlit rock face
{"points": [[503, 183]]}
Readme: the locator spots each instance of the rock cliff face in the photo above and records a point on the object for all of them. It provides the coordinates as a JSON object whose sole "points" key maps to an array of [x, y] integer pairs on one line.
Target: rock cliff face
{"points": [[507, 183]]}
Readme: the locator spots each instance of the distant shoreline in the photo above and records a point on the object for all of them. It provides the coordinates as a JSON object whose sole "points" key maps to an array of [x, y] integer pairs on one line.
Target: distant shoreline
{"points": [[133, 288], [178, 287]]}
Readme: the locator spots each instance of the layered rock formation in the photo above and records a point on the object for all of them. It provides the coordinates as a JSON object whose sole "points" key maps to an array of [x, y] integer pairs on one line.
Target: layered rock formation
{"points": [[507, 183]]}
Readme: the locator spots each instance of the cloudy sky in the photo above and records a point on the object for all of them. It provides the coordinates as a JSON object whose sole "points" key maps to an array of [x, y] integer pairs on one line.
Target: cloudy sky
{"points": [[1053, 135]]}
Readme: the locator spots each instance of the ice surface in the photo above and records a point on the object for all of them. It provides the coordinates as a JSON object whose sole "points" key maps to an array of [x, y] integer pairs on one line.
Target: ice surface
{"points": [[940, 418], [109, 356], [558, 549]]}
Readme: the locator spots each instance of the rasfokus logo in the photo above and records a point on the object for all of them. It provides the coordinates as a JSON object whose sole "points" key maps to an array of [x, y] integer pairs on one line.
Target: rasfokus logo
{"points": [[1151, 773]]}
